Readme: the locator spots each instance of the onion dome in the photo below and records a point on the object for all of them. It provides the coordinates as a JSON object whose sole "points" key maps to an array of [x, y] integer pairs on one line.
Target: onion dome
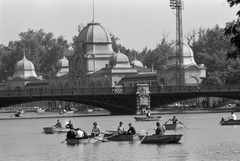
{"points": [[24, 69], [62, 66], [96, 39], [187, 55], [62, 62], [119, 60], [136, 62]]}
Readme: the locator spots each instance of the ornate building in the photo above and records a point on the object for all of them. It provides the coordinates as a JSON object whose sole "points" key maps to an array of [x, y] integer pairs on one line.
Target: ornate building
{"points": [[172, 74]]}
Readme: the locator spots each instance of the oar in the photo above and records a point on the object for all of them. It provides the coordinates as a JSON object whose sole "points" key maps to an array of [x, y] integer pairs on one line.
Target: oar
{"points": [[166, 122], [143, 137], [100, 139], [183, 125], [63, 141], [60, 130]]}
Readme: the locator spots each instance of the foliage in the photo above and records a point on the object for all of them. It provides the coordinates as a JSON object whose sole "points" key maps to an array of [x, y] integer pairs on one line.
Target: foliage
{"points": [[232, 29], [210, 47], [41, 48]]}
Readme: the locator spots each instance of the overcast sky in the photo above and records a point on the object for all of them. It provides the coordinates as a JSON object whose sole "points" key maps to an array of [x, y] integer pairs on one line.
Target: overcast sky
{"points": [[138, 23]]}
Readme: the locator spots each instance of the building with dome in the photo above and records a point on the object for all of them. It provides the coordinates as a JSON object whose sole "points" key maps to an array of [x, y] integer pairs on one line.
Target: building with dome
{"points": [[188, 73], [181, 68], [24, 73], [94, 63]]}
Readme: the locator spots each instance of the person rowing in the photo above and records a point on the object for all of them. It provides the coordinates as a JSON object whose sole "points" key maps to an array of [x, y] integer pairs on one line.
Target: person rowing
{"points": [[58, 124], [174, 120], [69, 125], [232, 117], [148, 114], [131, 130]]}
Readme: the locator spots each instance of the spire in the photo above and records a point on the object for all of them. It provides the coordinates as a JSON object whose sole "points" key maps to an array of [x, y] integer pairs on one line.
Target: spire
{"points": [[24, 50], [93, 11]]}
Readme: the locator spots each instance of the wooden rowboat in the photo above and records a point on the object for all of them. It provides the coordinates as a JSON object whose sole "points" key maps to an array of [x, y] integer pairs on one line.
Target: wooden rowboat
{"points": [[123, 138], [170, 126], [85, 141], [230, 122], [52, 130], [149, 118], [160, 138]]}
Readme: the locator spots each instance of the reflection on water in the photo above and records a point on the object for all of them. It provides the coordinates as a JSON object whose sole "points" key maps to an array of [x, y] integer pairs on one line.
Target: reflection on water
{"points": [[204, 139]]}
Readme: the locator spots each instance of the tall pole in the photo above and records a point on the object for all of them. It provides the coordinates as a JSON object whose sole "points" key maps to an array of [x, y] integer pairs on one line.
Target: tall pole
{"points": [[178, 6]]}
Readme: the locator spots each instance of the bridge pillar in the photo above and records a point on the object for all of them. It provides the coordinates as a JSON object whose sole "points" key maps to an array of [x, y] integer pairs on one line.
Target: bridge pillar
{"points": [[143, 98]]}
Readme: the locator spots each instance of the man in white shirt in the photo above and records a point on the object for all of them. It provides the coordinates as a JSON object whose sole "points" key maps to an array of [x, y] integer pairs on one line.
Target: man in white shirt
{"points": [[233, 116], [80, 134]]}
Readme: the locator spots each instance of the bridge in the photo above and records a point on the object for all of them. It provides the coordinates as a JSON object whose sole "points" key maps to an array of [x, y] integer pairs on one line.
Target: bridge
{"points": [[119, 100]]}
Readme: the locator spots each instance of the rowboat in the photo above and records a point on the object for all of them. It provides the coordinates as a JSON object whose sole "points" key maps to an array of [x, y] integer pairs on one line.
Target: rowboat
{"points": [[154, 138], [149, 118], [88, 140], [230, 122], [123, 138], [170, 126], [18, 115], [52, 130]]}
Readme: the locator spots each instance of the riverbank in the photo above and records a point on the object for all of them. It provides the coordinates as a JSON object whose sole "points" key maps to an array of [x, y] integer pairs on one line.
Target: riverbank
{"points": [[10, 116], [195, 111]]}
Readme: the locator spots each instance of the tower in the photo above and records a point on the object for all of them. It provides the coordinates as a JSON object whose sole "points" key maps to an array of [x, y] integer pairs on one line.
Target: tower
{"points": [[180, 68], [178, 6]]}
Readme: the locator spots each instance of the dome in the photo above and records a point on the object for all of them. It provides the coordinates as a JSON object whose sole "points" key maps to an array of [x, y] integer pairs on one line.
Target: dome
{"points": [[96, 40], [187, 55], [119, 60], [187, 51], [119, 57], [24, 69], [62, 67], [62, 62], [136, 62], [94, 33]]}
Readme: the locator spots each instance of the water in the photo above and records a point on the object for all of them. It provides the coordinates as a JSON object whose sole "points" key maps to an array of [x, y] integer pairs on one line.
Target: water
{"points": [[204, 139]]}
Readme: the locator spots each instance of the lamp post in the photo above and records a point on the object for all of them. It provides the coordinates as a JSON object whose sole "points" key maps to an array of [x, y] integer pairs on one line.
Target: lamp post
{"points": [[178, 6]]}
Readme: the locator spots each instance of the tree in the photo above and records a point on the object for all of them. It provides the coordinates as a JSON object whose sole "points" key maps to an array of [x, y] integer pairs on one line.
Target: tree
{"points": [[41, 48], [232, 29], [210, 47]]}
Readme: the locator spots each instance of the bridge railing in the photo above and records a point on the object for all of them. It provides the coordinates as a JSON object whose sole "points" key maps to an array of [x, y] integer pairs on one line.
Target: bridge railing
{"points": [[202, 88], [115, 90], [66, 91]]}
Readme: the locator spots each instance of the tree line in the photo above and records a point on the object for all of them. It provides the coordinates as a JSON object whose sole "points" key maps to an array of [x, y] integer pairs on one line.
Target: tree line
{"points": [[217, 48]]}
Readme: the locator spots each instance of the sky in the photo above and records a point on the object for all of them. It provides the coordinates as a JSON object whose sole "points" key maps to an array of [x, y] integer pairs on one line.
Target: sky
{"points": [[137, 23]]}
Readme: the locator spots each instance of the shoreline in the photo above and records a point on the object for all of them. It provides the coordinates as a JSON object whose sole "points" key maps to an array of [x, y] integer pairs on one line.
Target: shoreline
{"points": [[165, 112]]}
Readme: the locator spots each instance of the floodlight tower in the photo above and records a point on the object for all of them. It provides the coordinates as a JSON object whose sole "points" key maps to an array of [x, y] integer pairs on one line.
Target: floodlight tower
{"points": [[178, 6]]}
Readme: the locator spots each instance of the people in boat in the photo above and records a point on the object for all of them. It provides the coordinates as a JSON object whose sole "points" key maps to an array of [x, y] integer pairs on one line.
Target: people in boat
{"points": [[71, 134], [120, 129], [160, 129], [148, 114], [95, 130], [131, 130], [174, 120], [79, 134], [233, 116], [58, 124], [69, 125]]}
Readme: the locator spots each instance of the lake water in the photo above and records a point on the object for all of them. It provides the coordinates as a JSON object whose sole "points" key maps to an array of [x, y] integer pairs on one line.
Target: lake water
{"points": [[204, 139]]}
